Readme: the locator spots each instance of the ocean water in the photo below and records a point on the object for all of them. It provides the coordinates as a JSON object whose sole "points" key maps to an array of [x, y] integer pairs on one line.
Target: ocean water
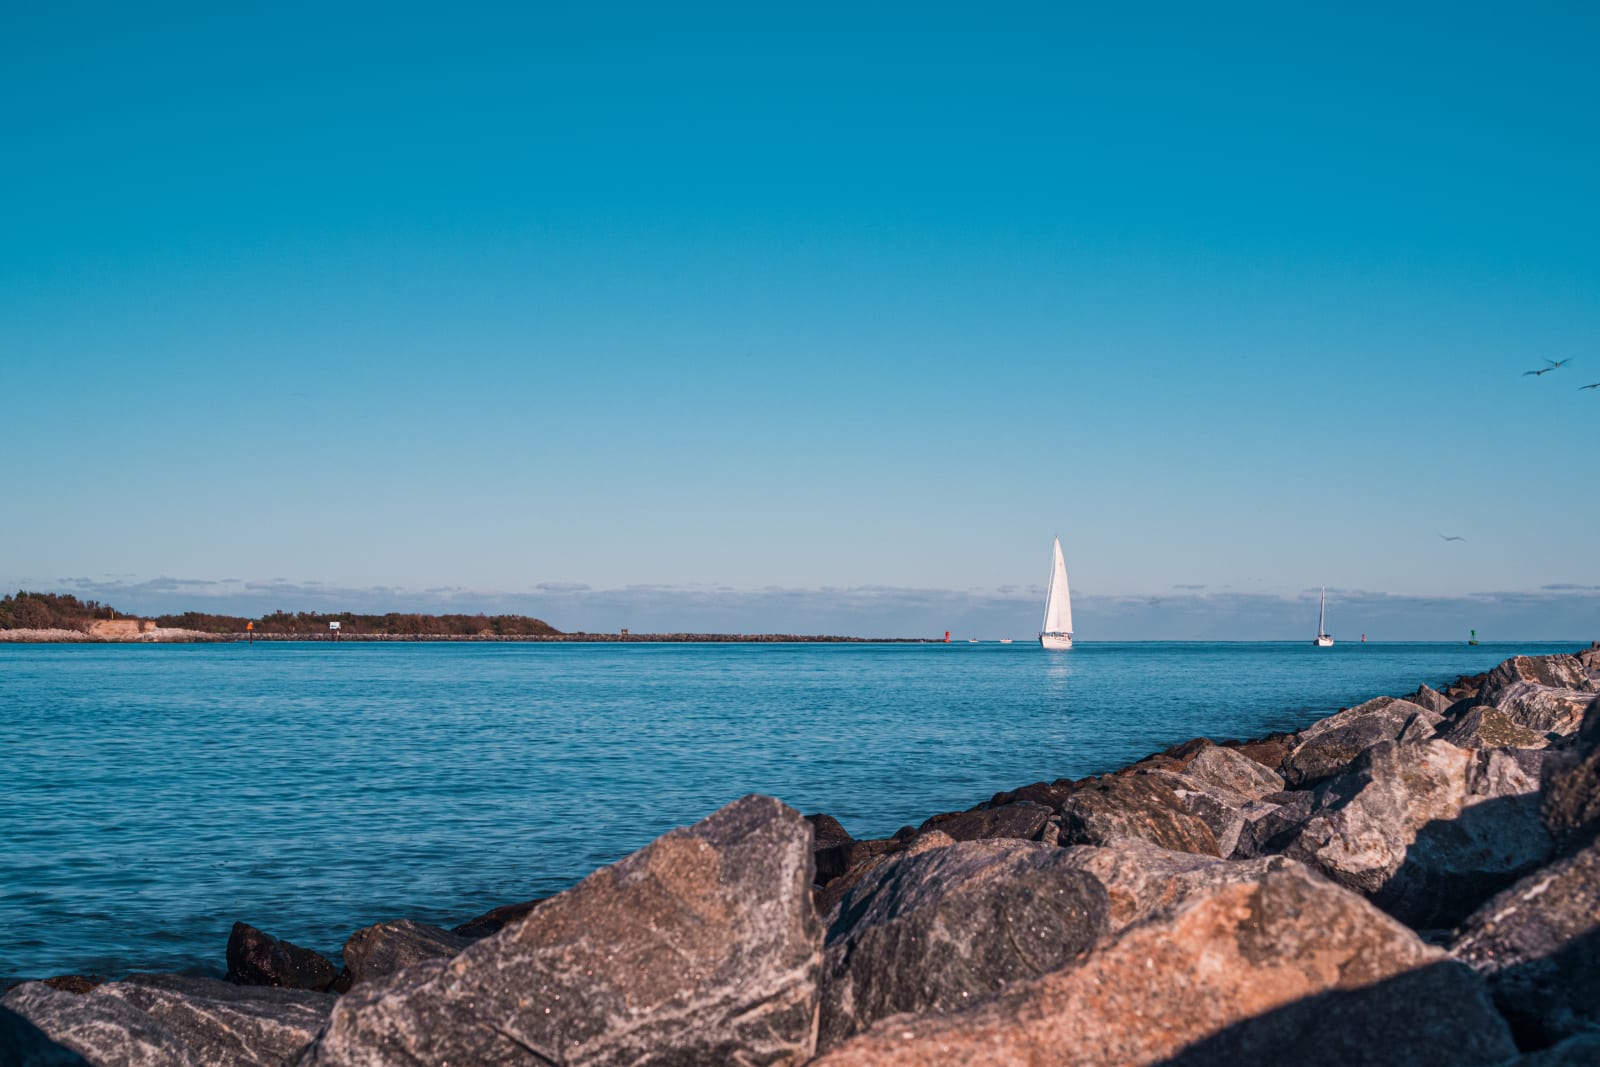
{"points": [[151, 795]]}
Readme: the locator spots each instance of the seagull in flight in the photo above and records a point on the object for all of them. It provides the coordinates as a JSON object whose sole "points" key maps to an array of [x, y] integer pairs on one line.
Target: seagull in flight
{"points": [[1449, 537], [1555, 364], [1596, 385], [1536, 373]]}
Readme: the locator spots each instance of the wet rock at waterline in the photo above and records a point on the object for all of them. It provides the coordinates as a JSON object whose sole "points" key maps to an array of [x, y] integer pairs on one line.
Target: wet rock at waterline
{"points": [[259, 959]]}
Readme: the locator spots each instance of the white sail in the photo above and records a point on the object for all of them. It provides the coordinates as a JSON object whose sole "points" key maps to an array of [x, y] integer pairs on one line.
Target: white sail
{"points": [[1057, 629], [1323, 640]]}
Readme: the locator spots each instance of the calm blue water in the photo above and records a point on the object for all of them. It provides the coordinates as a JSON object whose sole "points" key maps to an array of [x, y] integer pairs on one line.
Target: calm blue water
{"points": [[152, 794]]}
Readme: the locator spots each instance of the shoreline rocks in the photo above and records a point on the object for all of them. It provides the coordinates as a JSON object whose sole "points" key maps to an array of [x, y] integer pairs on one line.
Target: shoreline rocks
{"points": [[1413, 880]]}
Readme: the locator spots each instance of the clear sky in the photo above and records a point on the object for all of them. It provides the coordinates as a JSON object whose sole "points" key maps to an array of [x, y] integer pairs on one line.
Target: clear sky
{"points": [[817, 318]]}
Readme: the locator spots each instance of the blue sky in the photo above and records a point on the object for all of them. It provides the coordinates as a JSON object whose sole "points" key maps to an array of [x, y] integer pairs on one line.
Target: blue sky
{"points": [[743, 319]]}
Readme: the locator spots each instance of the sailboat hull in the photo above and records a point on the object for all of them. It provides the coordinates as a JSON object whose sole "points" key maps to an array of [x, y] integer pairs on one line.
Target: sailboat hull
{"points": [[1323, 641], [1059, 642]]}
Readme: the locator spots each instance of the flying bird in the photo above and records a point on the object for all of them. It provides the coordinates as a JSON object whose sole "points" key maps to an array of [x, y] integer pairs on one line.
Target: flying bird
{"points": [[1554, 363], [1451, 537], [1596, 385], [1536, 373]]}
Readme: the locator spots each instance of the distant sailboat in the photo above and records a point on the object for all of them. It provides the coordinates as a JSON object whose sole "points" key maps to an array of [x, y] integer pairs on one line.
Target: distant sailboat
{"points": [[1057, 631], [1323, 640]]}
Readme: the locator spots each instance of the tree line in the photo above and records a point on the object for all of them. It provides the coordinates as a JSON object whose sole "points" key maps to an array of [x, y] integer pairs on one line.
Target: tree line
{"points": [[46, 611]]}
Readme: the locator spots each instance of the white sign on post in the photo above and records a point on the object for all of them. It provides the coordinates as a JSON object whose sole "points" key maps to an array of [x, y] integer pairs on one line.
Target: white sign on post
{"points": [[333, 626]]}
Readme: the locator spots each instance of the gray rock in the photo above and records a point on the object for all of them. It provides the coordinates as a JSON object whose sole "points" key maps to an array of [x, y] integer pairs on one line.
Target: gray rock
{"points": [[1404, 828], [1486, 726], [1285, 969], [1141, 805], [1539, 945], [386, 948], [934, 931], [1428, 697], [1023, 820], [257, 958], [1570, 807], [1422, 726], [1220, 809], [1269, 825], [1556, 713], [1326, 748], [703, 947], [161, 1020], [1227, 768], [23, 1044], [830, 847], [1550, 672]]}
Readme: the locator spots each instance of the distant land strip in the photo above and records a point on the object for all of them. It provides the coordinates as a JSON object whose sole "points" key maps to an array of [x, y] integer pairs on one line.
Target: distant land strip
{"points": [[56, 617]]}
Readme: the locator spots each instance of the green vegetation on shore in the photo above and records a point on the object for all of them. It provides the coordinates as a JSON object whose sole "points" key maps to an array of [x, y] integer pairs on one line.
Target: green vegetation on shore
{"points": [[53, 611]]}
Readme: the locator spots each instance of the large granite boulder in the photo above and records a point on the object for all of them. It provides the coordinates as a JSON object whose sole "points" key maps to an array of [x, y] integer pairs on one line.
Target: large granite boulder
{"points": [[1570, 806], [931, 931], [1486, 726], [1023, 820], [1142, 805], [23, 1044], [1404, 827], [1554, 713], [176, 1021], [1327, 747], [1428, 697], [702, 947], [386, 948], [1538, 943], [1286, 969], [1142, 880], [1228, 768], [257, 958], [1550, 672]]}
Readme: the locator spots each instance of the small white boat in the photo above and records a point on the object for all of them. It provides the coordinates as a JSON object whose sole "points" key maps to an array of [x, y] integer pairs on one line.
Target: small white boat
{"points": [[1323, 640], [1005, 640], [1056, 633]]}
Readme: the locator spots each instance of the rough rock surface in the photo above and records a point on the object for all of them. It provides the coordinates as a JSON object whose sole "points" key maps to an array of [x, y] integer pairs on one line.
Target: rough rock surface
{"points": [[257, 958], [1552, 672], [1486, 726], [1570, 806], [1428, 697], [1289, 969], [1227, 768], [1327, 747], [1023, 820], [702, 947], [176, 1021], [933, 931], [829, 896], [1271, 823], [1142, 880], [1581, 1051], [386, 948], [1137, 805], [23, 1044], [1555, 713], [1404, 828], [1539, 945]]}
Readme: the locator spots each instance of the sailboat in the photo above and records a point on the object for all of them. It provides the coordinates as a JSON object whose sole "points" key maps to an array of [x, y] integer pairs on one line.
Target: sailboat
{"points": [[1323, 640], [1057, 630]]}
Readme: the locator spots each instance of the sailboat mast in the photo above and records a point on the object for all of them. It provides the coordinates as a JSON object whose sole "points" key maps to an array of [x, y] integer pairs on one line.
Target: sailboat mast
{"points": [[1322, 613]]}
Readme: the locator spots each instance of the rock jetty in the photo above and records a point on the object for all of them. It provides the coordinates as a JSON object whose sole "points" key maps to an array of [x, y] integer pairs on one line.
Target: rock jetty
{"points": [[1414, 880]]}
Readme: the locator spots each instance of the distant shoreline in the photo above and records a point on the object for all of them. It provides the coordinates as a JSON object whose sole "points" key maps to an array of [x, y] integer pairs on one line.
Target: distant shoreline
{"points": [[176, 636]]}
